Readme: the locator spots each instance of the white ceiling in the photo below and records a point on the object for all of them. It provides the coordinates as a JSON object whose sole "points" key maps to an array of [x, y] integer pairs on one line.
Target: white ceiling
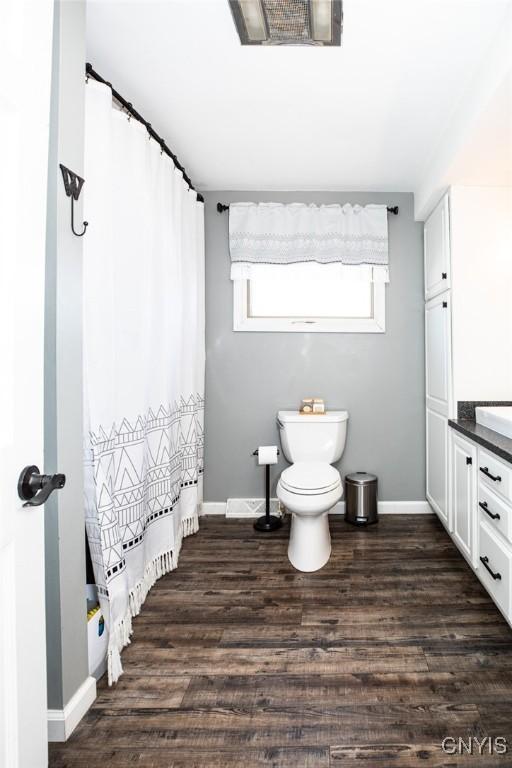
{"points": [[368, 115]]}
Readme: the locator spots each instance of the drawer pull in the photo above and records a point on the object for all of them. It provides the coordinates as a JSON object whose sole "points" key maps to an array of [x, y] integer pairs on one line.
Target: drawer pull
{"points": [[487, 511], [485, 561], [444, 275], [496, 478]]}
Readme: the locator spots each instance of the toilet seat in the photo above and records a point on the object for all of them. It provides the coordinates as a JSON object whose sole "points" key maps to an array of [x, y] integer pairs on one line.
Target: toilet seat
{"points": [[310, 478]]}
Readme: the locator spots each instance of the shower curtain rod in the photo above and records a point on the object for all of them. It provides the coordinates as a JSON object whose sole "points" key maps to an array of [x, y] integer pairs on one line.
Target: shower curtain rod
{"points": [[221, 207], [90, 72]]}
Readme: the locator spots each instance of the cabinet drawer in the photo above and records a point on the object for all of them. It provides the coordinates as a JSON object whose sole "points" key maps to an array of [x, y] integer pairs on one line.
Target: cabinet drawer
{"points": [[495, 511], [495, 558], [495, 474]]}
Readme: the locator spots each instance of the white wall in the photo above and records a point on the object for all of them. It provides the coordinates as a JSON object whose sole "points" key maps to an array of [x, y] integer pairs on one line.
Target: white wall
{"points": [[378, 377], [66, 627], [481, 244]]}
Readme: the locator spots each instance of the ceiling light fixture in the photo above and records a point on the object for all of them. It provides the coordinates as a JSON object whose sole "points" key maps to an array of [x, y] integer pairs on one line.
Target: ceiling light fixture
{"points": [[288, 22]]}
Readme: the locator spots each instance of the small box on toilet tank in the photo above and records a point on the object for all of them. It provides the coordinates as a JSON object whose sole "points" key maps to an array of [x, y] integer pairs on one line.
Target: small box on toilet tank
{"points": [[312, 405]]}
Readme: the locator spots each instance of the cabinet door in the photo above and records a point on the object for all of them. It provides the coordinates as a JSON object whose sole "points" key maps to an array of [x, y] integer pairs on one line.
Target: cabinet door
{"points": [[437, 250], [438, 353], [437, 465], [463, 495]]}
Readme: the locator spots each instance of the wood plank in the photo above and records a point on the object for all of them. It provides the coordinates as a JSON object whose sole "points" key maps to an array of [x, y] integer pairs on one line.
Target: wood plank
{"points": [[413, 631], [324, 691], [271, 757], [432, 613], [258, 661], [464, 656], [396, 755], [261, 728], [152, 692], [157, 633], [223, 614]]}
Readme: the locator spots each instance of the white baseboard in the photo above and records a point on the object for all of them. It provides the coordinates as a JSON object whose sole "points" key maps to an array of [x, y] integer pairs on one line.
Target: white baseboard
{"points": [[256, 507], [212, 508], [250, 507], [392, 508], [62, 722]]}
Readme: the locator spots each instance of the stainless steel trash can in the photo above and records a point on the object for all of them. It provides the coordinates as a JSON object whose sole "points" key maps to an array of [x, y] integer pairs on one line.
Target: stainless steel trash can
{"points": [[361, 498]]}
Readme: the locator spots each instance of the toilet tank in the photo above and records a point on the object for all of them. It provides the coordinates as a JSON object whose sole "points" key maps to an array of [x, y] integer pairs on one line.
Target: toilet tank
{"points": [[312, 437]]}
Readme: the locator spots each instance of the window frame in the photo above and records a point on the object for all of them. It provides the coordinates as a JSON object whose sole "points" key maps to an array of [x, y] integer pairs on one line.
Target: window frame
{"points": [[243, 322]]}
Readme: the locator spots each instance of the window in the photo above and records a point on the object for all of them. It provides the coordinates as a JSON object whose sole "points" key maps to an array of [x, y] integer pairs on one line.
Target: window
{"points": [[308, 297]]}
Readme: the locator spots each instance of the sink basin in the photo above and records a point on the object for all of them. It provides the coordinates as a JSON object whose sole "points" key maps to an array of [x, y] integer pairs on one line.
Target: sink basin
{"points": [[498, 418]]}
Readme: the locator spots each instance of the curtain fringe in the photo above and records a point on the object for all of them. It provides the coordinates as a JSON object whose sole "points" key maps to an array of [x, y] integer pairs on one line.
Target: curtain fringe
{"points": [[119, 636]]}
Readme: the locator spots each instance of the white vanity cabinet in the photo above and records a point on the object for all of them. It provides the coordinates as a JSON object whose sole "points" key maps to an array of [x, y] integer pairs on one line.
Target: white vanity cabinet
{"points": [[495, 559], [463, 460], [494, 514], [482, 516], [437, 250]]}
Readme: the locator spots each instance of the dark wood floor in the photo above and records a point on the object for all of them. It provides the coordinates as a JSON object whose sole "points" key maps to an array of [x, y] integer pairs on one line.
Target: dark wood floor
{"points": [[240, 661]]}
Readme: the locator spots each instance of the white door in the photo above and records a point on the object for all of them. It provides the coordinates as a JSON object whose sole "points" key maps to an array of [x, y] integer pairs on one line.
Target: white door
{"points": [[438, 353], [437, 250], [463, 494], [25, 63], [437, 458]]}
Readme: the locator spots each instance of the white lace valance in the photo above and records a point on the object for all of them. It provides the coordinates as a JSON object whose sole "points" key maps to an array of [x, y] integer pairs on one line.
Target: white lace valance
{"points": [[354, 237]]}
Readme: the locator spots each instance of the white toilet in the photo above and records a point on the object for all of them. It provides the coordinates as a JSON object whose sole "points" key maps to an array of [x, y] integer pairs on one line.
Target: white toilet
{"points": [[311, 486]]}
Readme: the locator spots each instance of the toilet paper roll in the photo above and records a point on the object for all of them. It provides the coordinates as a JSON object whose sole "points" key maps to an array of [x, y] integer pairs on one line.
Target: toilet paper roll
{"points": [[267, 454]]}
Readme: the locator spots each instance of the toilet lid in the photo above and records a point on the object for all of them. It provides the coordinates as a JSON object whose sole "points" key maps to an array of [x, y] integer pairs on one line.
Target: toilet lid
{"points": [[310, 476]]}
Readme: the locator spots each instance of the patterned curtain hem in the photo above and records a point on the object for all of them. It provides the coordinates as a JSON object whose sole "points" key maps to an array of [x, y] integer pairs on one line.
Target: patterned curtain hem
{"points": [[158, 567]]}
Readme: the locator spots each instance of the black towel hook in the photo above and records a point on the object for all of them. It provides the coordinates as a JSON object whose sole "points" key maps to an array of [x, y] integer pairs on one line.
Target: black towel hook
{"points": [[73, 185]]}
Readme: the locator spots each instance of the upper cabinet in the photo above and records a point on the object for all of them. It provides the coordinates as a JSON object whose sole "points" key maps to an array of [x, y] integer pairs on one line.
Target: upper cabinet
{"points": [[437, 250], [468, 242]]}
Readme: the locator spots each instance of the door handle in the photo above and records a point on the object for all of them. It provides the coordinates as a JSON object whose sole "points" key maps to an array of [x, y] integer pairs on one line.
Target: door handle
{"points": [[496, 478], [34, 488], [485, 561], [483, 505]]}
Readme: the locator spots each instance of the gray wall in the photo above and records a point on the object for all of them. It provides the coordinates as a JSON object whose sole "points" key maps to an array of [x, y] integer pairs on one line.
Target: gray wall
{"points": [[66, 627], [378, 378]]}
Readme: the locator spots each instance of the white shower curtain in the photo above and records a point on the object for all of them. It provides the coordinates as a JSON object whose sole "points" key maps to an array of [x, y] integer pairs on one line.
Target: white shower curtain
{"points": [[143, 361]]}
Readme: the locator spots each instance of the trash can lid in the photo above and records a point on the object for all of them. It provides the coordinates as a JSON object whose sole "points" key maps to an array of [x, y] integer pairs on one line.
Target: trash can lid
{"points": [[361, 478]]}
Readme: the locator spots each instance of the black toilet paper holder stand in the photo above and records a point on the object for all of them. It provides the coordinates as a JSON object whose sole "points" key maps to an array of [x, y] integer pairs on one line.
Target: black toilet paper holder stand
{"points": [[267, 522]]}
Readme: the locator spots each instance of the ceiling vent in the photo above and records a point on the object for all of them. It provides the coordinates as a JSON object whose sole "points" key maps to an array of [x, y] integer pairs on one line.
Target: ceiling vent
{"points": [[288, 22]]}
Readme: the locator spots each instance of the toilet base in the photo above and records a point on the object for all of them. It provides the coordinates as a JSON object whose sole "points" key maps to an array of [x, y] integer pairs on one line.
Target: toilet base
{"points": [[309, 547]]}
